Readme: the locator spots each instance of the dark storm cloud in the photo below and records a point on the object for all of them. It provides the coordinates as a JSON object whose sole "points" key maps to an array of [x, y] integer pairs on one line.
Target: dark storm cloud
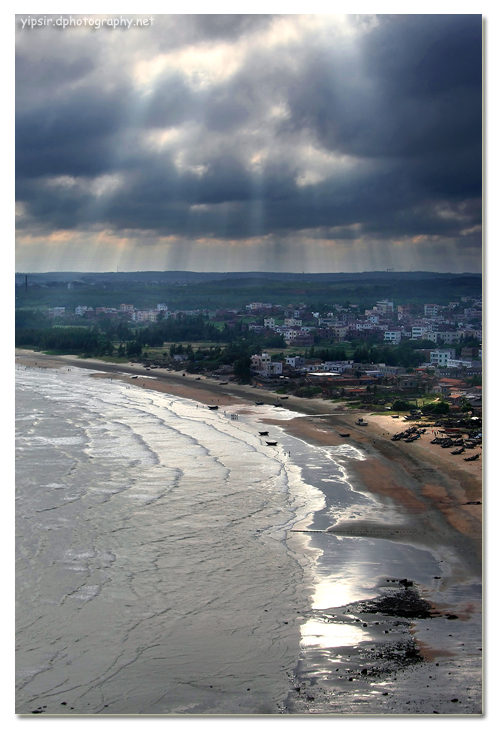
{"points": [[404, 97], [75, 136], [415, 90]]}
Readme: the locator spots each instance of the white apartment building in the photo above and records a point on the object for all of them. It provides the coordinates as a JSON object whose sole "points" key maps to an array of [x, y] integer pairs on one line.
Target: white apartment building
{"points": [[393, 336], [270, 323], [419, 332], [441, 357], [126, 307], [292, 322]]}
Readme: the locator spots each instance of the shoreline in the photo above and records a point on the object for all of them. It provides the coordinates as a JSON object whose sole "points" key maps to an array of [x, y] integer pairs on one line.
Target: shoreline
{"points": [[421, 479]]}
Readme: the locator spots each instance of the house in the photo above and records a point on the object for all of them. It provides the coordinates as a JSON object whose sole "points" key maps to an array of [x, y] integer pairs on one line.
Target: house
{"points": [[262, 365], [295, 361]]}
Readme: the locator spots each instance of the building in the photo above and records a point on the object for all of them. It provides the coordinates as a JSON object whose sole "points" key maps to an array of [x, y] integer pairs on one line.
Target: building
{"points": [[149, 315], [262, 365], [453, 363], [431, 310], [441, 357], [295, 362], [338, 366], [393, 336], [384, 306], [420, 332]]}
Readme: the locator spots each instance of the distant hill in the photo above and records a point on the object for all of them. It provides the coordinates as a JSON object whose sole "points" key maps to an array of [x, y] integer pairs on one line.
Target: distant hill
{"points": [[249, 278]]}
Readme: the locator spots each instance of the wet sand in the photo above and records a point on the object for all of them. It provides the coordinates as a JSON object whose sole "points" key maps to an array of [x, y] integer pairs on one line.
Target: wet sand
{"points": [[435, 492]]}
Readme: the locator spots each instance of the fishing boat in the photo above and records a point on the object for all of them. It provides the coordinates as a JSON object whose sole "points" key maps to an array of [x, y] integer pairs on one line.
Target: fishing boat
{"points": [[263, 433], [213, 408], [344, 435], [284, 397], [259, 403], [271, 443], [457, 451], [472, 458]]}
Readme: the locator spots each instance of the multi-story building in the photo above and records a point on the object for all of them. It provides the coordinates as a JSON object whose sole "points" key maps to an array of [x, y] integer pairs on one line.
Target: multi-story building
{"points": [[262, 364], [384, 306], [393, 336], [431, 310], [295, 362], [419, 332], [440, 357], [149, 315]]}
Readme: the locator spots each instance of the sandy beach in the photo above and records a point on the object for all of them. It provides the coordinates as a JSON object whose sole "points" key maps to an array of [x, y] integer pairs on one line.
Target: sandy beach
{"points": [[439, 494]]}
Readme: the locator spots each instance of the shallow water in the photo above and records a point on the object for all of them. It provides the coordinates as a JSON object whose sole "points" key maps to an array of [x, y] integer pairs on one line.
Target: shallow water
{"points": [[159, 566]]}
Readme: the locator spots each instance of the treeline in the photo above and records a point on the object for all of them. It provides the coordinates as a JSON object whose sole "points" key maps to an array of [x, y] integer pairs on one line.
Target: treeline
{"points": [[200, 329], [67, 339]]}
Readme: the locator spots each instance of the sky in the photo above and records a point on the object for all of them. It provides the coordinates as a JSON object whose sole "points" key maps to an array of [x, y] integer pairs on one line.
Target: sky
{"points": [[261, 142]]}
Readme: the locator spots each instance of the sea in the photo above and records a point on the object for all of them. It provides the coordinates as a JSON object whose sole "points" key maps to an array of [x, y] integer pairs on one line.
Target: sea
{"points": [[169, 561]]}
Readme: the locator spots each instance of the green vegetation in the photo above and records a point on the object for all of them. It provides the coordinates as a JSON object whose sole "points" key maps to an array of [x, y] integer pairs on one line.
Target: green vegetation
{"points": [[235, 293]]}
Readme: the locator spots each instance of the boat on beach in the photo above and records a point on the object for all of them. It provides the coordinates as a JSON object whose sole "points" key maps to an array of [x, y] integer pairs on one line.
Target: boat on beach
{"points": [[213, 408], [271, 443], [263, 433]]}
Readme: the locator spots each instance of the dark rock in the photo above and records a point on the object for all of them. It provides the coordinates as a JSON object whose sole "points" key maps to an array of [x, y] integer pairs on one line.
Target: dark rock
{"points": [[455, 700]]}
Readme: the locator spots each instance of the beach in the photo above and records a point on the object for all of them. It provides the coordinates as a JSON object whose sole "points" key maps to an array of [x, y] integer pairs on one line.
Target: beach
{"points": [[435, 500]]}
